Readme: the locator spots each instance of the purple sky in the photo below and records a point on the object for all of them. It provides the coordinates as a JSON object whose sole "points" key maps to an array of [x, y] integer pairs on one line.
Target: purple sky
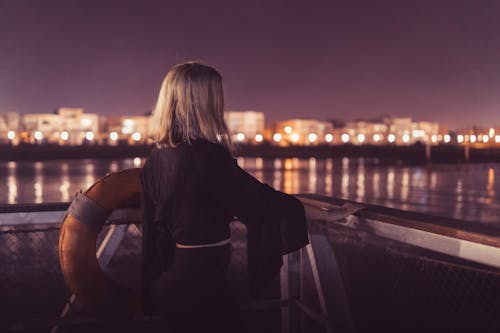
{"points": [[431, 60]]}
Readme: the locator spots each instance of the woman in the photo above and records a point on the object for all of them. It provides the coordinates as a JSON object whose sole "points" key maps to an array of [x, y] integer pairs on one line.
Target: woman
{"points": [[192, 189]]}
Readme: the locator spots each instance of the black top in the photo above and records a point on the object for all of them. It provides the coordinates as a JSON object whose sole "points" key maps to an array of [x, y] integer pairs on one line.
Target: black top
{"points": [[190, 194]]}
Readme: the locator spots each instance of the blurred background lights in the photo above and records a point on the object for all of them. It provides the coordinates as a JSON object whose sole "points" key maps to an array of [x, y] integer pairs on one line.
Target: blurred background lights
{"points": [[136, 136], [240, 137], [312, 137]]}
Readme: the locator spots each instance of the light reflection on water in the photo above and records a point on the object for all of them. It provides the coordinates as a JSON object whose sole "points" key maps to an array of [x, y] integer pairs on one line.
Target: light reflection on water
{"points": [[466, 191]]}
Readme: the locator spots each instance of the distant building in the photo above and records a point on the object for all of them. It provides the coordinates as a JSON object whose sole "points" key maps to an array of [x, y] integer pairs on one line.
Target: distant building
{"points": [[363, 132], [245, 126], [302, 132], [135, 129], [42, 127], [78, 126], [426, 132], [66, 126]]}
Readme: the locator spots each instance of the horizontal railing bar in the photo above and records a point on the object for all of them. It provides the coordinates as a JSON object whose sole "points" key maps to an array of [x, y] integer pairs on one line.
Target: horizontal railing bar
{"points": [[476, 233], [118, 216], [456, 247], [52, 213], [42, 207]]}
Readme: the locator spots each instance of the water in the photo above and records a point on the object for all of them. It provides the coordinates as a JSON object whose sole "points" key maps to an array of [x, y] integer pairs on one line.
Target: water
{"points": [[466, 191]]}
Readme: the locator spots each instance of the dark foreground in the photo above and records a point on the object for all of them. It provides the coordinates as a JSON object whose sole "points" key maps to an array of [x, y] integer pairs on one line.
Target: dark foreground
{"points": [[375, 284]]}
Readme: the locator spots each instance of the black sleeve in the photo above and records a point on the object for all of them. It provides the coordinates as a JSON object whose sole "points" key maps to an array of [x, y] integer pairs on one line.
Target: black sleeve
{"points": [[275, 221], [249, 199]]}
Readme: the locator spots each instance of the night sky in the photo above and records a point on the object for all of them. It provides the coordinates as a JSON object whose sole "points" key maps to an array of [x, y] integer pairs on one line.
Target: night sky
{"points": [[431, 60]]}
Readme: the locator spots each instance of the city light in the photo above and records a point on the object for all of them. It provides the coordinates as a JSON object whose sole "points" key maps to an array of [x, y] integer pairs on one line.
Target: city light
{"points": [[113, 136], [11, 135], [345, 138], [259, 138], [491, 132], [329, 138], [89, 136], [447, 138], [497, 138], [240, 137], [312, 137], [288, 129], [472, 138], [38, 135], [486, 138], [406, 138], [434, 138], [86, 122], [136, 136], [460, 138], [277, 137], [361, 138], [391, 138], [64, 136], [377, 137], [128, 126], [295, 137]]}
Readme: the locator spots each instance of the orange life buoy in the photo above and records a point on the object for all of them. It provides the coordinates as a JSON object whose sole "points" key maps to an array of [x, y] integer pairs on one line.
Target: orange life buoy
{"points": [[77, 244]]}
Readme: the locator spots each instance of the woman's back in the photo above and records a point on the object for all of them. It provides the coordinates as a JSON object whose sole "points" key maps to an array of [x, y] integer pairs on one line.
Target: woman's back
{"points": [[180, 182]]}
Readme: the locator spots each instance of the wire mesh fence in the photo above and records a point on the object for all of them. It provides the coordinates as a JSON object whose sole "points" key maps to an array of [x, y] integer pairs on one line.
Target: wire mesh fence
{"points": [[400, 288], [390, 286]]}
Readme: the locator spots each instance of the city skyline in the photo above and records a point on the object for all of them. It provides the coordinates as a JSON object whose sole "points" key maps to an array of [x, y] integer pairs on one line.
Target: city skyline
{"points": [[429, 60]]}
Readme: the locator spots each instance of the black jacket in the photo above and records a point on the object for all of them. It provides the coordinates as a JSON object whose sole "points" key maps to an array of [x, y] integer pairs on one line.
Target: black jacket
{"points": [[190, 194]]}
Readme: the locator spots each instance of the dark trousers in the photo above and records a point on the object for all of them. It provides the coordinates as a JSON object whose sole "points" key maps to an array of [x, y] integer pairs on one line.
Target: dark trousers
{"points": [[193, 295]]}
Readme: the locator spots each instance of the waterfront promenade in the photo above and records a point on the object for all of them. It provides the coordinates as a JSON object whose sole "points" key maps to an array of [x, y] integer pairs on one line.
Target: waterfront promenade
{"points": [[414, 154]]}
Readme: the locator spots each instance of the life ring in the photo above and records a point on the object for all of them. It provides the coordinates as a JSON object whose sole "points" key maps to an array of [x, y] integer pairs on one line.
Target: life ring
{"points": [[77, 244]]}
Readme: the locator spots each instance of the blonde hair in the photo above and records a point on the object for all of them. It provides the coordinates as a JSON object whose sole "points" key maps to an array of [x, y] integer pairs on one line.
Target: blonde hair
{"points": [[190, 106]]}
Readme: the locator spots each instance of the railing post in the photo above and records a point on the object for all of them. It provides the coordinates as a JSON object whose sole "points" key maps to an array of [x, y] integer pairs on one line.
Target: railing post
{"points": [[328, 280]]}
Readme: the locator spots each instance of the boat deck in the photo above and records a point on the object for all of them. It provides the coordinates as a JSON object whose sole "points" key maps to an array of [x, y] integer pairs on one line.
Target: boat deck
{"points": [[377, 269]]}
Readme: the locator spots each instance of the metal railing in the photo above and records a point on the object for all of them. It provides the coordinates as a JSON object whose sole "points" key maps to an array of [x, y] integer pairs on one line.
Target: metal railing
{"points": [[322, 286]]}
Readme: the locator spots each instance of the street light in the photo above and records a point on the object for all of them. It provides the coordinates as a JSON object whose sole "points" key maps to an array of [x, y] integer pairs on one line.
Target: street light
{"points": [[136, 136], [277, 137], [312, 137], [38, 135], [259, 138], [361, 138], [240, 137], [64, 136]]}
